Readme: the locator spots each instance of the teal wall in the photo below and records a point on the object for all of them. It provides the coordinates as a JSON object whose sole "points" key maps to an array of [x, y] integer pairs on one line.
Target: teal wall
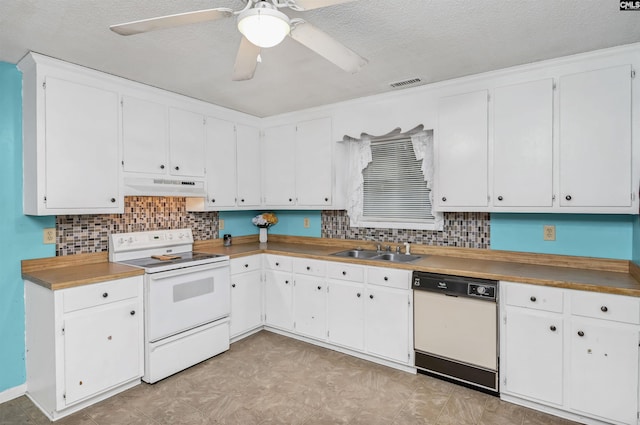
{"points": [[20, 236], [238, 223], [589, 235]]}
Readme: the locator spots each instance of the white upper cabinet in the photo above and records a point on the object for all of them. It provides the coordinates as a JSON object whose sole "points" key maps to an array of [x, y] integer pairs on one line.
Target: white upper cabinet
{"points": [[71, 128], [144, 136], [595, 138], [279, 164], [220, 162], [186, 143], [248, 166], [462, 152], [523, 145], [314, 164]]}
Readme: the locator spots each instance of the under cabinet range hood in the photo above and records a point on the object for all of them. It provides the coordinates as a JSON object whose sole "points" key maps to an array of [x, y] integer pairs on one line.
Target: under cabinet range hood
{"points": [[141, 186]]}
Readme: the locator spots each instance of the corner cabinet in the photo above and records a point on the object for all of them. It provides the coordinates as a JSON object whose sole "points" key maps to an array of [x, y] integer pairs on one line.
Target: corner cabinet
{"points": [[461, 152], [71, 127], [571, 353], [83, 344]]}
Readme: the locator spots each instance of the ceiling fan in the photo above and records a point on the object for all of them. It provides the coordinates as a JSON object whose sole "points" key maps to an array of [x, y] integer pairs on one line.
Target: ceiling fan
{"points": [[262, 26]]}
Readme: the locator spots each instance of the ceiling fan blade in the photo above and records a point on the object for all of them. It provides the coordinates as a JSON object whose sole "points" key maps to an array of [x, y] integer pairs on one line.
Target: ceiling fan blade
{"points": [[169, 21], [327, 47], [316, 4], [246, 60]]}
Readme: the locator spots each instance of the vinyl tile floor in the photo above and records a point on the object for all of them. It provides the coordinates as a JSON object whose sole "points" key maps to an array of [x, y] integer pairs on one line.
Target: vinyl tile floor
{"points": [[271, 379]]}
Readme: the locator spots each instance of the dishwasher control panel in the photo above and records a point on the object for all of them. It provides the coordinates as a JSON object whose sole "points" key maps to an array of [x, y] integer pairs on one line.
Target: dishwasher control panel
{"points": [[456, 286]]}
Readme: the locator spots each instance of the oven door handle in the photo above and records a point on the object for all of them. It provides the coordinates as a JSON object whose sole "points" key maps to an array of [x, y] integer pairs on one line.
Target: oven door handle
{"points": [[184, 271]]}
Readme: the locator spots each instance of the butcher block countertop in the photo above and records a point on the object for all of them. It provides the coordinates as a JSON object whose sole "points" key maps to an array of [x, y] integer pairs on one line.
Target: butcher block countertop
{"points": [[583, 273]]}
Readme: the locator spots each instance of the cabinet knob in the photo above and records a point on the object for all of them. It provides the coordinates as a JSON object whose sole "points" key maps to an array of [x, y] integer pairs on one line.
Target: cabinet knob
{"points": [[580, 333], [500, 198], [162, 166], [358, 295], [132, 312], [113, 200], [386, 278], [319, 287], [371, 296], [308, 268], [290, 199], [177, 168], [277, 264], [105, 295], [213, 200], [604, 309], [568, 197], [286, 282], [246, 265], [326, 199], [80, 383], [233, 285], [344, 273], [553, 328], [444, 199], [241, 200], [533, 299]]}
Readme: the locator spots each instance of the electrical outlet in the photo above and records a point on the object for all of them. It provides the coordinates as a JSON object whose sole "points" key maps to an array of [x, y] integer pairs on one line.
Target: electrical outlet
{"points": [[221, 224], [549, 233], [306, 222], [49, 236]]}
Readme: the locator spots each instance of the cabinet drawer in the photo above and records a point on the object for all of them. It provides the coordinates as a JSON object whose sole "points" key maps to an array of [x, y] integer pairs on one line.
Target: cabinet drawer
{"points": [[100, 293], [310, 267], [606, 306], [389, 277], [245, 264], [278, 262], [535, 297], [345, 272]]}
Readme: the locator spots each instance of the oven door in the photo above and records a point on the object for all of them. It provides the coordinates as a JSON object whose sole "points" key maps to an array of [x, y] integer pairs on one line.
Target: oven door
{"points": [[179, 300]]}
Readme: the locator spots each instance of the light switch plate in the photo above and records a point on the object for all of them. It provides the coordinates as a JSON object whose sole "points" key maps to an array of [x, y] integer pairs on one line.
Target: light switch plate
{"points": [[306, 222], [221, 224], [549, 233], [49, 236]]}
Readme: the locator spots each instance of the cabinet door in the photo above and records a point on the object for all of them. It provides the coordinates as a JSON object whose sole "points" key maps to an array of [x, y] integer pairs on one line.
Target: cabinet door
{"points": [[144, 136], [314, 163], [248, 165], [595, 138], [220, 163], [279, 299], [186, 143], [246, 302], [604, 369], [310, 306], [81, 133], [101, 348], [462, 158], [278, 162], [346, 314], [523, 145], [387, 323], [533, 355]]}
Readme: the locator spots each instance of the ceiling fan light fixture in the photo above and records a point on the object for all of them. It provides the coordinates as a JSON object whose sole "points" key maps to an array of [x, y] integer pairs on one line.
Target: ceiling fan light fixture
{"points": [[263, 26]]}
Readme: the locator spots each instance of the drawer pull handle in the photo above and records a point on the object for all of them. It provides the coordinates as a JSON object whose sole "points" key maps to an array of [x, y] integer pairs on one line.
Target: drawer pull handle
{"points": [[319, 287], [580, 333], [344, 273], [105, 295], [553, 328], [308, 268], [386, 278], [533, 299], [286, 282], [568, 197], [604, 309], [371, 296], [233, 285], [500, 198], [444, 199], [132, 312], [246, 265], [358, 295], [277, 264]]}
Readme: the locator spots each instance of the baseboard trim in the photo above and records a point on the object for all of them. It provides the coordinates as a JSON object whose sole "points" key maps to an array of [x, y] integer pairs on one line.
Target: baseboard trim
{"points": [[12, 393]]}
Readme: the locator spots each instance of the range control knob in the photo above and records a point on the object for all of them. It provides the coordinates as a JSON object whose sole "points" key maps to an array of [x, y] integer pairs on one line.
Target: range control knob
{"points": [[481, 290]]}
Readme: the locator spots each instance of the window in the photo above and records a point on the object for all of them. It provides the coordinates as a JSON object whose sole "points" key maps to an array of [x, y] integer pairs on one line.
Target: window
{"points": [[390, 180]]}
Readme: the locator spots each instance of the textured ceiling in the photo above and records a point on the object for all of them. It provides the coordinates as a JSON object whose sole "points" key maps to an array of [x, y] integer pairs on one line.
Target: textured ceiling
{"points": [[433, 40]]}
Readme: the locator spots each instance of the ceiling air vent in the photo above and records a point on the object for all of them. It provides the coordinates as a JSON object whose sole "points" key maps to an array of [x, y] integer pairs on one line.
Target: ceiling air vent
{"points": [[405, 83]]}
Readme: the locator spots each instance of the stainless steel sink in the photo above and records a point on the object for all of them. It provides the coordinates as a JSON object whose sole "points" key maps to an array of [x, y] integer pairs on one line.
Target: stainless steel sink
{"points": [[357, 253], [365, 254]]}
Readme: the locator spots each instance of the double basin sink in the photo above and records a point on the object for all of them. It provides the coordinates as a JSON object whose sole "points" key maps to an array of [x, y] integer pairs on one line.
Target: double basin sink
{"points": [[364, 254]]}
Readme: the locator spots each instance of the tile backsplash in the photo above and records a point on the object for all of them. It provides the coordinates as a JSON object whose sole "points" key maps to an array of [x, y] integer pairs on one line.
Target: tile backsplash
{"points": [[80, 234], [462, 229]]}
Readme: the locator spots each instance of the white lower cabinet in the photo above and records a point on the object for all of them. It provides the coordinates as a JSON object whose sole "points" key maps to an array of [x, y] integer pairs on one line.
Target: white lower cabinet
{"points": [[346, 314], [570, 352], [310, 306], [278, 302], [387, 322], [246, 295], [83, 344]]}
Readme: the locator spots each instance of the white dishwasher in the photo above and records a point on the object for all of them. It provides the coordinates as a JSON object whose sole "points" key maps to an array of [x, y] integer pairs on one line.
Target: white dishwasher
{"points": [[456, 328]]}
